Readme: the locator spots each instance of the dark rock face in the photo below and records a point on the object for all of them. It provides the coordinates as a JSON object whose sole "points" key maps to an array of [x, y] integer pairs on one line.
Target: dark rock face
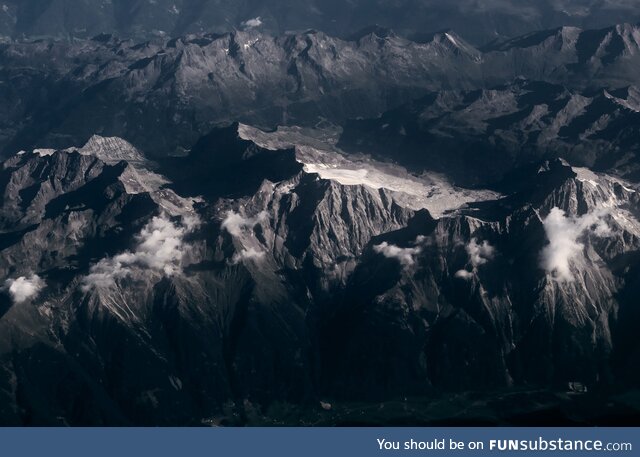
{"points": [[49, 200], [478, 136]]}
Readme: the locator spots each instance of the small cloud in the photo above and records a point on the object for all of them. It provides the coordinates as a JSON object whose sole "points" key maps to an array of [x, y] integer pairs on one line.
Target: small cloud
{"points": [[564, 233], [236, 224], [601, 229], [252, 23], [247, 254], [464, 274], [160, 248], [191, 222], [406, 256], [479, 254], [23, 288], [421, 239]]}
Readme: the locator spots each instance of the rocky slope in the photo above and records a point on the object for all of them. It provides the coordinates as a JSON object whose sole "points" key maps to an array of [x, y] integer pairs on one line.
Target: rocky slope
{"points": [[478, 136], [163, 95], [180, 302], [535, 286]]}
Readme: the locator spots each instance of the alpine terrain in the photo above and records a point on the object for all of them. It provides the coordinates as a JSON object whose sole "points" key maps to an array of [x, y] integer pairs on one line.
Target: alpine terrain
{"points": [[237, 213]]}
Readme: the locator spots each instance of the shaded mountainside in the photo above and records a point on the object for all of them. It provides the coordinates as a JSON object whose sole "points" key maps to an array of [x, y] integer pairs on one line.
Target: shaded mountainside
{"points": [[179, 303], [165, 94], [478, 136]]}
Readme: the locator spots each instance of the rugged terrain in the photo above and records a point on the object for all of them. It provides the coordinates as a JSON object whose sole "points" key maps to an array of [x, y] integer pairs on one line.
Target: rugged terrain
{"points": [[309, 279], [478, 136], [246, 228], [165, 94]]}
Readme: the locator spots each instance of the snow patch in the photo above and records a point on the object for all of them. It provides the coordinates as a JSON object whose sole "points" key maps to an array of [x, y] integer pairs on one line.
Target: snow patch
{"points": [[250, 43], [317, 151], [451, 39], [112, 150], [44, 152], [429, 191]]}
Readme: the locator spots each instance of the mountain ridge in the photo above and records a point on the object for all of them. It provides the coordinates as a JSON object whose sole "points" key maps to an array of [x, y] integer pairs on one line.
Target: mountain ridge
{"points": [[315, 265], [174, 91]]}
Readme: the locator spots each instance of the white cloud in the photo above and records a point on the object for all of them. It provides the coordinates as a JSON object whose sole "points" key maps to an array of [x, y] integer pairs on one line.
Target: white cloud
{"points": [[479, 254], [464, 274], [564, 235], [406, 256], [247, 254], [191, 222], [23, 288], [160, 248], [252, 23], [236, 224]]}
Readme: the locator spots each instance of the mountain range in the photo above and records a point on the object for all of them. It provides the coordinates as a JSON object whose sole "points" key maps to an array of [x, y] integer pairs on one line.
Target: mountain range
{"points": [[164, 95], [254, 228], [186, 297], [484, 21]]}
